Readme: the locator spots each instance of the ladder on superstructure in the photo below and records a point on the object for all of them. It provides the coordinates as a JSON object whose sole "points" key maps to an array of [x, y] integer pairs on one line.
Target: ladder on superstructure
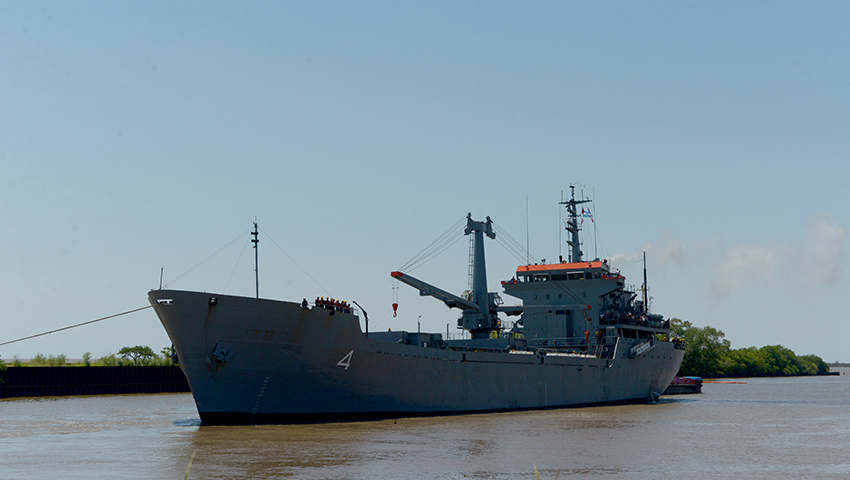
{"points": [[471, 258]]}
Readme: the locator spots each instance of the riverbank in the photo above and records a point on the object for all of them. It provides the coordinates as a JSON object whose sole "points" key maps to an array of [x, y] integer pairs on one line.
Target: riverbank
{"points": [[68, 381]]}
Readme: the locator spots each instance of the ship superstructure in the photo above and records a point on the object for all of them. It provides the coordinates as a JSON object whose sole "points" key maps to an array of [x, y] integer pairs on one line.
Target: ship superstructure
{"points": [[580, 338]]}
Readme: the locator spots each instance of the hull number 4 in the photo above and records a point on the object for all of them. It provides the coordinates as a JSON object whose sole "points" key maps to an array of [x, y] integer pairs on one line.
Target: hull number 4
{"points": [[346, 360]]}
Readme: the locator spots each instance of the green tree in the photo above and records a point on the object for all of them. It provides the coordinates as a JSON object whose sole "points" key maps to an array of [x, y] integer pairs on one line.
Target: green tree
{"points": [[812, 365], [779, 361], [58, 361], [166, 356], [110, 360], [708, 354], [705, 348], [39, 360], [137, 354], [742, 362]]}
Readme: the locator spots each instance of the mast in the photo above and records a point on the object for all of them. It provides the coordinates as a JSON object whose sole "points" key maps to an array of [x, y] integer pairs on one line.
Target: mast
{"points": [[560, 245], [479, 294], [572, 225], [255, 241], [645, 287]]}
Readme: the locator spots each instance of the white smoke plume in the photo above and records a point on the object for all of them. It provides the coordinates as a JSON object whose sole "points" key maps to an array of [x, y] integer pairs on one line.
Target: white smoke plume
{"points": [[814, 259], [823, 249], [743, 264], [668, 249]]}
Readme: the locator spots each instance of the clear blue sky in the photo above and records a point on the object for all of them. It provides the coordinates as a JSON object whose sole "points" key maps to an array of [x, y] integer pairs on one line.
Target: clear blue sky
{"points": [[136, 136]]}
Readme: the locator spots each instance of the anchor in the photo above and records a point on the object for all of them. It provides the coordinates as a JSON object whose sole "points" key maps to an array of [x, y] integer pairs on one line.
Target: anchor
{"points": [[220, 356]]}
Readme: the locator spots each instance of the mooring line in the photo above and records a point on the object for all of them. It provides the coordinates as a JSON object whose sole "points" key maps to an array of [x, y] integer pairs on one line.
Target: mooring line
{"points": [[74, 326]]}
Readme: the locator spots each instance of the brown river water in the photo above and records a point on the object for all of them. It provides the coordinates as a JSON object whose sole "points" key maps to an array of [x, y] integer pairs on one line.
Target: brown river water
{"points": [[766, 428]]}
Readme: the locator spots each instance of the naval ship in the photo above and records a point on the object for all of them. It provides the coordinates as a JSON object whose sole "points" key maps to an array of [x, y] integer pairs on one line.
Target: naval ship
{"points": [[582, 337]]}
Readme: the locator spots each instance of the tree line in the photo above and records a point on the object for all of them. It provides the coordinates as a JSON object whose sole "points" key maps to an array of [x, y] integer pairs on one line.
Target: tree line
{"points": [[709, 354], [140, 355]]}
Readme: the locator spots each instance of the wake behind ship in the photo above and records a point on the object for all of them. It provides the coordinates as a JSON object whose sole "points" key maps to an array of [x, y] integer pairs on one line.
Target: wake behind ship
{"points": [[581, 339]]}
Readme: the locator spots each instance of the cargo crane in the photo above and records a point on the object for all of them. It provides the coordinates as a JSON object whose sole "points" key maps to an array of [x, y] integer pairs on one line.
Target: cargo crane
{"points": [[480, 308]]}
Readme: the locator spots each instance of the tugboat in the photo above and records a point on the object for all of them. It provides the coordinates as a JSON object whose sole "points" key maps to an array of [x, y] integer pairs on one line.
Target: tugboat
{"points": [[581, 339], [684, 385]]}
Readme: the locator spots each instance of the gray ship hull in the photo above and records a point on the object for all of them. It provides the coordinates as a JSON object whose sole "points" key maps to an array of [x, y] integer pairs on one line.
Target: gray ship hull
{"points": [[263, 361]]}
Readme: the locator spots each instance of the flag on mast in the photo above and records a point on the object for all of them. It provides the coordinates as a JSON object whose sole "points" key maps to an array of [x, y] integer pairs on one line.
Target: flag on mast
{"points": [[586, 213]]}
